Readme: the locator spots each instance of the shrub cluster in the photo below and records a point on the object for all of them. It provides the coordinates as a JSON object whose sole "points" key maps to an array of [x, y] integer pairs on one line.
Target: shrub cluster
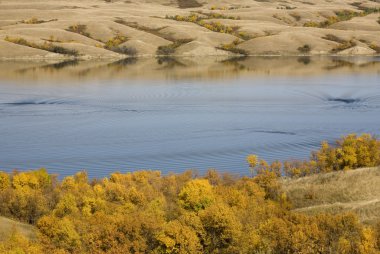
{"points": [[331, 37], [304, 49], [224, 8], [215, 15], [375, 47], [79, 29], [114, 43], [213, 25], [232, 47], [343, 46], [48, 46], [167, 50], [349, 152], [341, 16]]}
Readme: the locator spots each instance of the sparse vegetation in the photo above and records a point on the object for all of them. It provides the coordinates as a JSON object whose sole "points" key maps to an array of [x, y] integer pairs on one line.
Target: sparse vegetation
{"points": [[331, 37], [222, 8], [45, 46], [375, 47], [154, 31], [283, 19], [213, 25], [220, 28], [232, 47], [344, 45], [79, 29], [366, 10], [215, 15], [114, 43], [130, 51], [34, 20], [341, 16], [52, 39], [287, 7], [170, 49]]}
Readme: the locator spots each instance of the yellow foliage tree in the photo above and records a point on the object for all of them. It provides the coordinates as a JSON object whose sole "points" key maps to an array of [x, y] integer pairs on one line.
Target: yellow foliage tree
{"points": [[196, 195]]}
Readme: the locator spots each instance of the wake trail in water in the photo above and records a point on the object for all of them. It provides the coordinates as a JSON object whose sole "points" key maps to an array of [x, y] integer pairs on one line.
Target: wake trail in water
{"points": [[347, 100]]}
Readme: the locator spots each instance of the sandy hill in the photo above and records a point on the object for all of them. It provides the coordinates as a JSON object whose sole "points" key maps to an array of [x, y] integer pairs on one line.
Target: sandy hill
{"points": [[355, 190], [115, 28]]}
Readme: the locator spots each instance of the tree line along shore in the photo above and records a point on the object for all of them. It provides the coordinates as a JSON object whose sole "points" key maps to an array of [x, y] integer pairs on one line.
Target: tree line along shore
{"points": [[146, 212]]}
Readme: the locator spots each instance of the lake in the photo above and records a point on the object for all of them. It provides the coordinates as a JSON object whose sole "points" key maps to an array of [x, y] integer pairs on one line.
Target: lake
{"points": [[177, 114]]}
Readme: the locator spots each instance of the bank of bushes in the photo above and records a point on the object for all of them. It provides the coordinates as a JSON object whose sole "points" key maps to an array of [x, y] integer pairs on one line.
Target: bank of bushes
{"points": [[349, 152], [146, 212]]}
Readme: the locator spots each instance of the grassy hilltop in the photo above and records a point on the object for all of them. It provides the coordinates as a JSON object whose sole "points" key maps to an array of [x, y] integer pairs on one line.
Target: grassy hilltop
{"points": [[119, 28], [337, 192]]}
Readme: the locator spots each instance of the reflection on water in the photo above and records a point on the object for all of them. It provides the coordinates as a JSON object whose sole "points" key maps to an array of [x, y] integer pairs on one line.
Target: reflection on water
{"points": [[187, 68], [178, 114]]}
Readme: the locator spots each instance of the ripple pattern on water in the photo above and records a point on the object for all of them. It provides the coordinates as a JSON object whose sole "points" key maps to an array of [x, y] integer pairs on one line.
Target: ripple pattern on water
{"points": [[173, 126]]}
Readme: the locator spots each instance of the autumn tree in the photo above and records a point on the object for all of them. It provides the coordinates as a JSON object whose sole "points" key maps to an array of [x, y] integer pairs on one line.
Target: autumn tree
{"points": [[252, 162], [196, 195]]}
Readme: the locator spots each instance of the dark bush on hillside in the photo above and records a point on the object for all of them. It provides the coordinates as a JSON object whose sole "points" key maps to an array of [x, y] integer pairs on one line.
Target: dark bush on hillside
{"points": [[79, 29], [124, 50], [304, 49]]}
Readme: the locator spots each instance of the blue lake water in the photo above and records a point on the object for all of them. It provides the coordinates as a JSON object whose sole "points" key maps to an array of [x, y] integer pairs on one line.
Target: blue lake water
{"points": [[123, 124]]}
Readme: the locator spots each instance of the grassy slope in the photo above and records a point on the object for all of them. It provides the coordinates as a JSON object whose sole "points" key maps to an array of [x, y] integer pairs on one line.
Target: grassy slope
{"points": [[355, 190], [8, 225]]}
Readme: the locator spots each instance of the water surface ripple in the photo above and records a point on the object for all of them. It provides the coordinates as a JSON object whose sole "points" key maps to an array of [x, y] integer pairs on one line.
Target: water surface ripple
{"points": [[174, 125]]}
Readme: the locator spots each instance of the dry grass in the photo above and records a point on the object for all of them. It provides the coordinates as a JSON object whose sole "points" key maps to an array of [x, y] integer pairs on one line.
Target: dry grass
{"points": [[8, 225], [354, 190]]}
